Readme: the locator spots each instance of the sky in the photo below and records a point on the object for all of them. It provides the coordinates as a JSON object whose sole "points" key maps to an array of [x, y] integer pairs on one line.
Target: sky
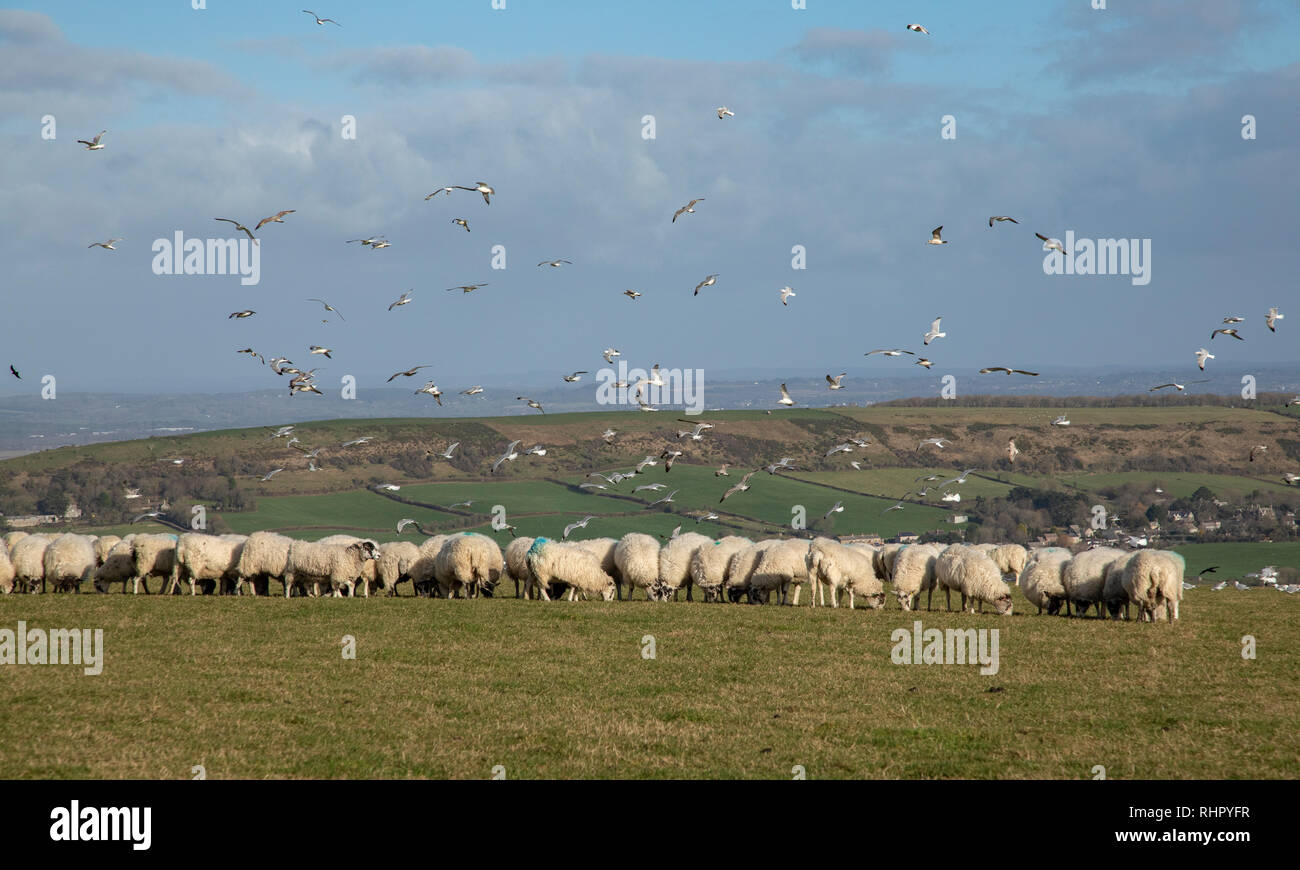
{"points": [[1119, 123]]}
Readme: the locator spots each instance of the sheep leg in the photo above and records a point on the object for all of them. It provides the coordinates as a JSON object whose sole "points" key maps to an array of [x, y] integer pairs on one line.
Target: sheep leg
{"points": [[797, 588]]}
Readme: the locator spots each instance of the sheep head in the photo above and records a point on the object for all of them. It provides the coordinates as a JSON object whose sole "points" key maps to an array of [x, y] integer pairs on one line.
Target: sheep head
{"points": [[1002, 605], [876, 601]]}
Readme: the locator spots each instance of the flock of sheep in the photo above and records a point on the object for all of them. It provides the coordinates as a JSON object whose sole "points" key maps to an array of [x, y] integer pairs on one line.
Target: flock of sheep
{"points": [[735, 569]]}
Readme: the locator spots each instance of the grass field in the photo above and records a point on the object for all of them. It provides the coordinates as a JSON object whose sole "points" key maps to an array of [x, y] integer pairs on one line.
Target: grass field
{"points": [[1237, 560], [257, 688]]}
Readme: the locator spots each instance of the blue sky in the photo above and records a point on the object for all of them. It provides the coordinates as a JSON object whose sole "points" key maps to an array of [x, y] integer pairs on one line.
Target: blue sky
{"points": [[1122, 123]]}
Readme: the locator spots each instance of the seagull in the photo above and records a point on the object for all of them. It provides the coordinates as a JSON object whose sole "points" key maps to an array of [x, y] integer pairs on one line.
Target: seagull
{"points": [[952, 496], [535, 450], [372, 240], [472, 391], [608, 435], [277, 218], [282, 432], [631, 294], [247, 312], [93, 144], [669, 456], [555, 264], [935, 239], [405, 300], [1050, 244], [150, 515], [785, 462], [592, 486], [573, 378], [708, 516], [365, 439], [1271, 318], [1201, 356], [480, 187], [323, 351], [641, 403], [1178, 387], [461, 222], [446, 454], [321, 21], [644, 463], [432, 389], [696, 434], [934, 331], [511, 454], [1209, 570], [834, 382], [739, 487], [251, 352], [1002, 217], [668, 499], [837, 509], [653, 487], [689, 208], [107, 246], [897, 507], [786, 293], [707, 282], [1290, 478], [388, 487], [1292, 401], [1218, 587], [409, 373], [446, 190], [468, 288], [238, 226], [1232, 320], [924, 363], [272, 473], [380, 243], [580, 524], [893, 352], [937, 442], [328, 307], [531, 402], [721, 471], [1061, 421], [857, 466], [916, 28], [13, 371], [609, 353], [1241, 587], [1231, 332], [1009, 372], [1258, 448], [785, 397], [1012, 450], [839, 448], [407, 521], [724, 112]]}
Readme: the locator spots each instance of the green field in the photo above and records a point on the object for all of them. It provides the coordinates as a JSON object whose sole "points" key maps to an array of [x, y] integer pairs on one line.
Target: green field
{"points": [[1238, 560], [257, 688]]}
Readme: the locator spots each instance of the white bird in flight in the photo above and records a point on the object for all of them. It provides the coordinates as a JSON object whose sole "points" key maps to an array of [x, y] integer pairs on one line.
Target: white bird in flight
{"points": [[707, 282], [834, 382], [107, 246], [404, 300], [934, 332], [511, 454], [321, 21], [916, 28], [1201, 356], [1050, 244], [935, 238], [785, 397], [94, 144], [1271, 318], [724, 112], [786, 293]]}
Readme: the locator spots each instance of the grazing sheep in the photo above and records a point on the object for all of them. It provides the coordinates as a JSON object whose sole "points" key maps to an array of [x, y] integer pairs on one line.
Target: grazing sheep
{"points": [[709, 565], [28, 558], [265, 555], [68, 560], [1010, 559], [1113, 595], [422, 569], [842, 567], [779, 568], [914, 574], [206, 559], [1040, 581], [516, 558], [675, 564], [637, 559], [552, 561], [340, 565], [741, 568], [973, 574], [394, 565], [103, 545], [6, 572], [603, 549], [118, 566], [11, 538], [1153, 580], [1084, 579], [884, 560], [155, 556], [470, 562], [369, 567]]}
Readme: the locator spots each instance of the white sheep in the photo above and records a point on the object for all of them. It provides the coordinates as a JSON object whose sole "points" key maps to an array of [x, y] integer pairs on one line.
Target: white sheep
{"points": [[1010, 559], [884, 560], [603, 549], [1084, 579], [340, 565], [11, 538], [1113, 595], [637, 559], [396, 559], [914, 574], [841, 567], [6, 572], [709, 565], [28, 558], [265, 555], [1040, 581], [1153, 580], [470, 562], [552, 561], [155, 556], [103, 545], [740, 570], [68, 561], [422, 569], [675, 564], [516, 559], [206, 559], [977, 577], [779, 568]]}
